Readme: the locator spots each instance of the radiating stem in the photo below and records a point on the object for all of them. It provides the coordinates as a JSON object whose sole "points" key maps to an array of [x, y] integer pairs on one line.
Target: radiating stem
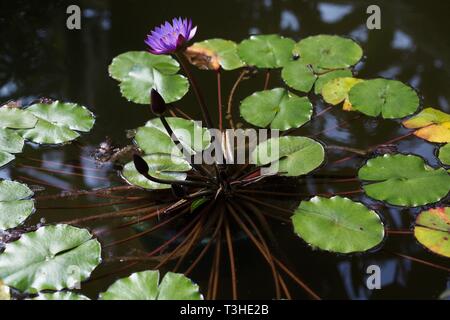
{"points": [[219, 99], [232, 260], [267, 79], [230, 98], [430, 264]]}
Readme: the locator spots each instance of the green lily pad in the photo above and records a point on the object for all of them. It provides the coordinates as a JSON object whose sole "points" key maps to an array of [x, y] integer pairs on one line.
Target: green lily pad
{"points": [[266, 51], [61, 295], [444, 155], [432, 229], [14, 206], [58, 122], [390, 98], [16, 118], [401, 180], [329, 52], [145, 285], [214, 53], [336, 90], [5, 158], [338, 225], [11, 141], [292, 156], [4, 292], [51, 258], [298, 75], [278, 108], [138, 72], [153, 137], [162, 166], [328, 76]]}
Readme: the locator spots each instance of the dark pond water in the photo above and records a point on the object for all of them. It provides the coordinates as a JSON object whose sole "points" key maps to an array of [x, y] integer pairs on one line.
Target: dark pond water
{"points": [[39, 57]]}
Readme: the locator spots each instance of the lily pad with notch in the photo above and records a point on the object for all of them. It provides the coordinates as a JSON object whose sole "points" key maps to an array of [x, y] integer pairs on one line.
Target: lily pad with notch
{"points": [[432, 230], [266, 51], [162, 166], [389, 98], [16, 118], [324, 78], [58, 122], [336, 91], [444, 154], [292, 156], [15, 204], [338, 225], [328, 51], [401, 180], [432, 125], [153, 137], [139, 72], [279, 108], [53, 257], [145, 285], [213, 54]]}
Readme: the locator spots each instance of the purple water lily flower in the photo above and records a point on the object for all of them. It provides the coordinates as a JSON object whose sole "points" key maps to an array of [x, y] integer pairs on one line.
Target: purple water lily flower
{"points": [[168, 38]]}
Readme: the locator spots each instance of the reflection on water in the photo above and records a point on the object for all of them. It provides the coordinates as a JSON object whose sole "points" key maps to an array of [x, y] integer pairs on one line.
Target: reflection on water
{"points": [[39, 57]]}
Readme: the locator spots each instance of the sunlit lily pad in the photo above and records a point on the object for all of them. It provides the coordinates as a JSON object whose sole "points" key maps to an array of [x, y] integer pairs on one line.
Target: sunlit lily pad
{"points": [[15, 207], [11, 141], [153, 137], [58, 122], [432, 229], [291, 156], [404, 180], [336, 91], [298, 75], [4, 292], [444, 154], [338, 225], [266, 51], [278, 108], [213, 54], [51, 258], [61, 295], [162, 166], [389, 98], [145, 285], [329, 52], [5, 158], [138, 72], [16, 118], [433, 125], [328, 76]]}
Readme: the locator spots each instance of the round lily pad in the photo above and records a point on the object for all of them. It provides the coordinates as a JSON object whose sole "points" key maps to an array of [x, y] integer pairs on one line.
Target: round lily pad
{"points": [[298, 75], [291, 156], [433, 125], [15, 207], [266, 51], [58, 122], [329, 52], [61, 295], [145, 285], [16, 118], [328, 76], [162, 166], [444, 155], [432, 229], [389, 98], [404, 180], [338, 225], [139, 72], [51, 258], [278, 108], [214, 54], [5, 158], [153, 137], [336, 91]]}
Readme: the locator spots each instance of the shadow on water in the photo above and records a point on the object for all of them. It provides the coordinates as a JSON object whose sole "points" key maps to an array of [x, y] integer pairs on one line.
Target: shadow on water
{"points": [[39, 57]]}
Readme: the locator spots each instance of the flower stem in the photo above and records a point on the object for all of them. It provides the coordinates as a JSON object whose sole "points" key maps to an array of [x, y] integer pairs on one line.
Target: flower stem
{"points": [[199, 96], [219, 99]]}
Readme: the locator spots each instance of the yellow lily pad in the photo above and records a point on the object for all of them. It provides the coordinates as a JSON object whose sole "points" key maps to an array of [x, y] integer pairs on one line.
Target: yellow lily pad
{"points": [[336, 91], [432, 230], [433, 125]]}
